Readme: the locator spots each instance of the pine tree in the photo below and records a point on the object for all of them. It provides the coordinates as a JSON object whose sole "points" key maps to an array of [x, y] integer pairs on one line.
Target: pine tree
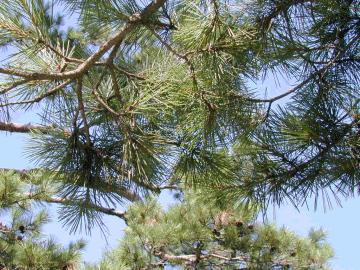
{"points": [[22, 245], [142, 96], [198, 234]]}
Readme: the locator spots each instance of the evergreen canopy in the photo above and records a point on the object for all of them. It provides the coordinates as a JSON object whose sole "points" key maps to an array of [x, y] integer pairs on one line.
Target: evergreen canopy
{"points": [[200, 234], [142, 96]]}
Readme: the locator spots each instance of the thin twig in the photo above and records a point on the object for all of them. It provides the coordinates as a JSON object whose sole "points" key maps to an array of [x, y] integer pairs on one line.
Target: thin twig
{"points": [[115, 83], [82, 111], [129, 74], [14, 85], [40, 97], [68, 201]]}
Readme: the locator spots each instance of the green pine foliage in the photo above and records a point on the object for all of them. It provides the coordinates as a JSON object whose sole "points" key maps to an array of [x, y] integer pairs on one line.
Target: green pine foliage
{"points": [[171, 100], [198, 234], [22, 245], [140, 96]]}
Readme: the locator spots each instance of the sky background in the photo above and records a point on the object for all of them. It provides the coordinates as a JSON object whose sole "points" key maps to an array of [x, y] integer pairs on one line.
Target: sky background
{"points": [[341, 223]]}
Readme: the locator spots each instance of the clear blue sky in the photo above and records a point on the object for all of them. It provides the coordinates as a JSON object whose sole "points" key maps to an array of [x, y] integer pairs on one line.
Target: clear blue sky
{"points": [[342, 223]]}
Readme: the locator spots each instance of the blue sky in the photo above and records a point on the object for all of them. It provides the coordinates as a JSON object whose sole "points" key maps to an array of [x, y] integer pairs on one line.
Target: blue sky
{"points": [[341, 223]]}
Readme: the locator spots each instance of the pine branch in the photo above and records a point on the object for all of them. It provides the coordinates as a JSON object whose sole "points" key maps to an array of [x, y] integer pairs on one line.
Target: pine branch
{"points": [[188, 63], [129, 74], [12, 86], [298, 169], [23, 128], [39, 97], [79, 94], [101, 101], [62, 56], [314, 75], [66, 201], [170, 187], [133, 21], [193, 258], [282, 7], [115, 83], [104, 187], [168, 46]]}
